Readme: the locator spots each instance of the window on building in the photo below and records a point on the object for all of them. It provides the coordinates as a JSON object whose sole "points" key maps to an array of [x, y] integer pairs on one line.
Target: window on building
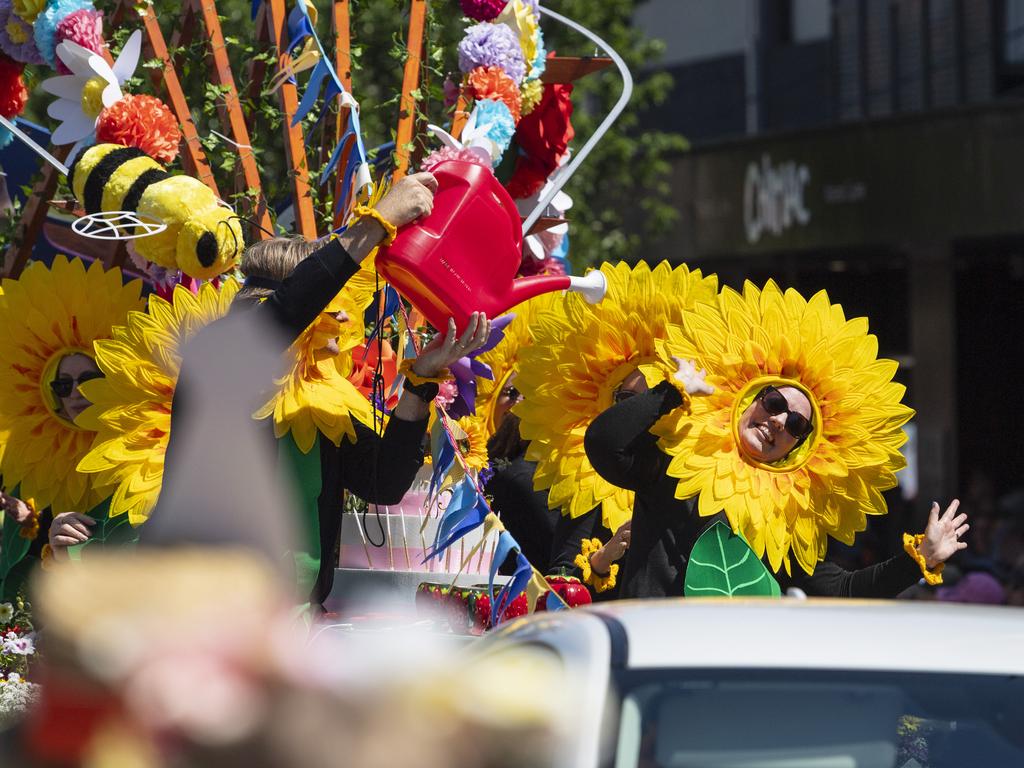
{"points": [[811, 20], [1013, 40]]}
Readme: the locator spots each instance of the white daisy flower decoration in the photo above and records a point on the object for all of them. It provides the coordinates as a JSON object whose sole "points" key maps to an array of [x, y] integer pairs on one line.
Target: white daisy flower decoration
{"points": [[92, 86]]}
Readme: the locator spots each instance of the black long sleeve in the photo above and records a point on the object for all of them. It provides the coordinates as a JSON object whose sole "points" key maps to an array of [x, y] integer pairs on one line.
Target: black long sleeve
{"points": [[380, 469], [882, 580], [619, 444], [308, 289], [569, 535], [377, 468]]}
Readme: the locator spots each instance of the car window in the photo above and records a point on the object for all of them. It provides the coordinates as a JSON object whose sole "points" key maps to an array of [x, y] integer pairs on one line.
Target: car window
{"points": [[770, 719]]}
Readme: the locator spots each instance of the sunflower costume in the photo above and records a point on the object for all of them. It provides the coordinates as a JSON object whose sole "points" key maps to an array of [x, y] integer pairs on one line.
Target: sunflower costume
{"points": [[579, 355], [48, 314], [827, 484]]}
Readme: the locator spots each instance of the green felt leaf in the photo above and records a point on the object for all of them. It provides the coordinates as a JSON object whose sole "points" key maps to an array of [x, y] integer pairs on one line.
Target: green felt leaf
{"points": [[722, 564]]}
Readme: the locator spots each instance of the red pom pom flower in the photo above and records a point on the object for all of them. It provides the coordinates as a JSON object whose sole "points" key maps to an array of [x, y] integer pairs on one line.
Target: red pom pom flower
{"points": [[482, 10], [13, 93], [143, 122]]}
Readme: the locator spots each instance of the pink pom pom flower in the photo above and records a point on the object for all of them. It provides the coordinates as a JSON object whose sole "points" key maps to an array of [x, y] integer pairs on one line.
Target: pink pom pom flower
{"points": [[84, 27]]}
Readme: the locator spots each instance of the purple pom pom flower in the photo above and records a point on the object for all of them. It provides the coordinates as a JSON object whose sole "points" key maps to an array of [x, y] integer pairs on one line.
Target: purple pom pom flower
{"points": [[16, 38], [492, 45]]}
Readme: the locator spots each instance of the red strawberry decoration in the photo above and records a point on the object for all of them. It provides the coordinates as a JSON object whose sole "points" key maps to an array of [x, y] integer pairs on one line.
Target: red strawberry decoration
{"points": [[481, 606], [518, 607], [573, 591]]}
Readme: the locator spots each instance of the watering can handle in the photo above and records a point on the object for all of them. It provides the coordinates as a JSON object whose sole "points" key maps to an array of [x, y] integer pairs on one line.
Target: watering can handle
{"points": [[620, 105]]}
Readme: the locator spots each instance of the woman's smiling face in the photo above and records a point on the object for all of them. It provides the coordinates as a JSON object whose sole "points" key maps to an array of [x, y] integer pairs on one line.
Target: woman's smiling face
{"points": [[763, 436]]}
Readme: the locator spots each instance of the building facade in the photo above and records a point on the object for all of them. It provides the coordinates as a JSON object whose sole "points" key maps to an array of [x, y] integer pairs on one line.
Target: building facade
{"points": [[873, 148]]}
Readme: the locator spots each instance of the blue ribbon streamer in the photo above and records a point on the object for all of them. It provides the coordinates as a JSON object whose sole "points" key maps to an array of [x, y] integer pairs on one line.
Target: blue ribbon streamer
{"points": [[442, 463], [300, 29], [515, 586], [465, 512]]}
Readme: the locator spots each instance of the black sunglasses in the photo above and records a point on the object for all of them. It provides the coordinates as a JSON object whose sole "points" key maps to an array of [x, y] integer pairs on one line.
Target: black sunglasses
{"points": [[63, 385], [774, 403], [511, 393], [622, 394]]}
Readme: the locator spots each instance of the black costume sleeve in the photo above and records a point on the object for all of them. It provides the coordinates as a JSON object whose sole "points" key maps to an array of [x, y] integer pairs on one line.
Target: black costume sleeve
{"points": [[308, 289], [882, 580], [569, 535], [380, 469], [620, 445]]}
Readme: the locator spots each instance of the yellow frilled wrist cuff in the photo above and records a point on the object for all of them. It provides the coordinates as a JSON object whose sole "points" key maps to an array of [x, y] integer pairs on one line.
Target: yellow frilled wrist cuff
{"points": [[911, 544], [597, 581], [366, 212], [406, 370]]}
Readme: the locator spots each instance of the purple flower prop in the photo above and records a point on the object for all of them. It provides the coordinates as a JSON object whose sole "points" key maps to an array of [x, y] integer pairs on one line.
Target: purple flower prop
{"points": [[466, 369], [492, 45], [25, 51]]}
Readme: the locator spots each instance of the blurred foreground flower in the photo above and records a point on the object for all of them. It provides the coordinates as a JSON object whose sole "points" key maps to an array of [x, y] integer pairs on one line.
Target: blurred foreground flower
{"points": [[193, 657]]}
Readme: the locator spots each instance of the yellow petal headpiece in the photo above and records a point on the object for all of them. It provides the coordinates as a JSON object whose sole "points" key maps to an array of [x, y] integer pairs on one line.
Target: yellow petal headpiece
{"points": [[833, 479], [131, 411], [132, 405], [579, 354], [45, 315], [503, 360]]}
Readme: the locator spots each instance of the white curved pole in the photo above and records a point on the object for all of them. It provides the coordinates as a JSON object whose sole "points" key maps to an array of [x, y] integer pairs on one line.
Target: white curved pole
{"points": [[620, 105]]}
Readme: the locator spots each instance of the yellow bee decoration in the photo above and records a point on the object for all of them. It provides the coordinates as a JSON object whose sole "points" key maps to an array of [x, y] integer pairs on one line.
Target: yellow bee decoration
{"points": [[203, 238]]}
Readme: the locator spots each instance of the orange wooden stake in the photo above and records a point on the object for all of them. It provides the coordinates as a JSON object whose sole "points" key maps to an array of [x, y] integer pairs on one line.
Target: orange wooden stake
{"points": [[231, 112], [295, 144], [410, 82]]}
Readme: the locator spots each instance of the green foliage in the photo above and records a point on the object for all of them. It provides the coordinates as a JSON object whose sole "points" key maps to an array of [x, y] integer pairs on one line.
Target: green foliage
{"points": [[628, 170]]}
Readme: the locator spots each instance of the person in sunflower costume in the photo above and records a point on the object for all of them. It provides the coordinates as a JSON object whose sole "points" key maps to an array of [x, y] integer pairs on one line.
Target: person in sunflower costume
{"points": [[379, 468], [790, 437], [582, 359], [296, 286], [52, 317]]}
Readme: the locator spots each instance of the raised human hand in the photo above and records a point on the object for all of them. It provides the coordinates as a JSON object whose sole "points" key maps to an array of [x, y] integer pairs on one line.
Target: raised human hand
{"points": [[942, 535], [691, 379], [444, 350]]}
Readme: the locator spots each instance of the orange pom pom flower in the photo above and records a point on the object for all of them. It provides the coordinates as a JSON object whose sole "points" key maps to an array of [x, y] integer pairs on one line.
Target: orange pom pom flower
{"points": [[492, 83], [143, 122]]}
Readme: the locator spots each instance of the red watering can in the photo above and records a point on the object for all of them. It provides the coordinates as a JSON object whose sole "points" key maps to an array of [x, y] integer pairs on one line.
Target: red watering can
{"points": [[463, 257]]}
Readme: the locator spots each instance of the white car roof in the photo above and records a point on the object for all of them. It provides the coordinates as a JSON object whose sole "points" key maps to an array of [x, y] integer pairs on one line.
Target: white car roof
{"points": [[817, 634]]}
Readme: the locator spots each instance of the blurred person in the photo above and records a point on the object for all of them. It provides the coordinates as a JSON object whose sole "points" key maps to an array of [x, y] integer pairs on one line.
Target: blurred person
{"points": [[191, 655], [976, 587]]}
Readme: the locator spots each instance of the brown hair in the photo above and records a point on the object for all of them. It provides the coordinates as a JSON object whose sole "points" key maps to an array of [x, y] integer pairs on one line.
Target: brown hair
{"points": [[272, 260]]}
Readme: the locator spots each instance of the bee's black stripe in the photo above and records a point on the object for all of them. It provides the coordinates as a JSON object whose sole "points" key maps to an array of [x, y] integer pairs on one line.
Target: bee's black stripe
{"points": [[138, 187], [92, 195]]}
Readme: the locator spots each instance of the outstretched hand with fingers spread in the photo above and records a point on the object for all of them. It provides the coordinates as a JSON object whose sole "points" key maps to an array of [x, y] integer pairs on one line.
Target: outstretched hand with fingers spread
{"points": [[942, 537], [445, 350]]}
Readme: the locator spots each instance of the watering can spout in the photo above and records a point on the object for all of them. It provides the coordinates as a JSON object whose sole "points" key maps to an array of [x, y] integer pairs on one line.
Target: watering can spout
{"points": [[592, 287]]}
